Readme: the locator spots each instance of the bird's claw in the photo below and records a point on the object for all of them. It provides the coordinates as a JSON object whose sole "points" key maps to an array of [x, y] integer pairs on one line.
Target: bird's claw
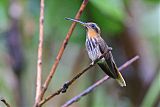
{"points": [[93, 62], [110, 48]]}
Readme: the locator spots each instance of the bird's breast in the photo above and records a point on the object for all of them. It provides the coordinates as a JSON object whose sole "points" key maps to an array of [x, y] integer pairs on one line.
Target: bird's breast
{"points": [[92, 49]]}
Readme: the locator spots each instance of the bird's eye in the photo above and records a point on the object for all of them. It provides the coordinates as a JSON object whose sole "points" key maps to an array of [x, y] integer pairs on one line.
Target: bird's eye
{"points": [[93, 26]]}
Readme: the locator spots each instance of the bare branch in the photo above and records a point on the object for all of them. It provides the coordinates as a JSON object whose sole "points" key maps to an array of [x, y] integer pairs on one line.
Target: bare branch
{"points": [[62, 48], [5, 102], [91, 88], [40, 48]]}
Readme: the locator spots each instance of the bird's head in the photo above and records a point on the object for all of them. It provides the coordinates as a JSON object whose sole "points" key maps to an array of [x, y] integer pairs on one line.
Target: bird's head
{"points": [[92, 29]]}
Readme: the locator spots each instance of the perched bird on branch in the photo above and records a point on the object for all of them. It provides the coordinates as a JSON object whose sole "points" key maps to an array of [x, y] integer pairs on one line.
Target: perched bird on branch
{"points": [[96, 46]]}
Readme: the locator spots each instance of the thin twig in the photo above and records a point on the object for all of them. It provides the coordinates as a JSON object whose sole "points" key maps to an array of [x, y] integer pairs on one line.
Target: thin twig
{"points": [[40, 48], [67, 84], [63, 46], [91, 88], [5, 102]]}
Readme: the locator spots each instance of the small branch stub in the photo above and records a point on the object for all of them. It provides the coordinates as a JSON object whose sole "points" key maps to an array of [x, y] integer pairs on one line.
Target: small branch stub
{"points": [[65, 87]]}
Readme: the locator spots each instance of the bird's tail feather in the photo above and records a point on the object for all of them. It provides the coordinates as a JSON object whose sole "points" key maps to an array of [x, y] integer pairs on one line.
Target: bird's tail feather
{"points": [[120, 80]]}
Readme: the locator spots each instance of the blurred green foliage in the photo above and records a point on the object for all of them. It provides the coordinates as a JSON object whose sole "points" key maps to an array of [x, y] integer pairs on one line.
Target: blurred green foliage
{"points": [[153, 93], [111, 15]]}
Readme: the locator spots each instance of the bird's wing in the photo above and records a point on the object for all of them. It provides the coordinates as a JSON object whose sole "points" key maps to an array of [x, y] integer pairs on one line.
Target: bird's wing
{"points": [[109, 66], [105, 68], [112, 69]]}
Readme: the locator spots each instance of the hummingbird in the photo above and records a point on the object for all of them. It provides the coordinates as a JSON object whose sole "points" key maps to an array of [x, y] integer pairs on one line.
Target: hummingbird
{"points": [[96, 46]]}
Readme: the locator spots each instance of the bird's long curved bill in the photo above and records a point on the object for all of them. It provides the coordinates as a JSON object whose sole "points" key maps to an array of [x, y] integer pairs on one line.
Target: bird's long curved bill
{"points": [[82, 23]]}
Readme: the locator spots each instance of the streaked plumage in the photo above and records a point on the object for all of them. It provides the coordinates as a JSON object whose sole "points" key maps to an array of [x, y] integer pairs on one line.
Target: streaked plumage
{"points": [[96, 46]]}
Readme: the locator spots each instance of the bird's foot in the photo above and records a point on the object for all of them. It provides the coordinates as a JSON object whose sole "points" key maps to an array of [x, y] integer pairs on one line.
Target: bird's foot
{"points": [[93, 62], [96, 60], [109, 48]]}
